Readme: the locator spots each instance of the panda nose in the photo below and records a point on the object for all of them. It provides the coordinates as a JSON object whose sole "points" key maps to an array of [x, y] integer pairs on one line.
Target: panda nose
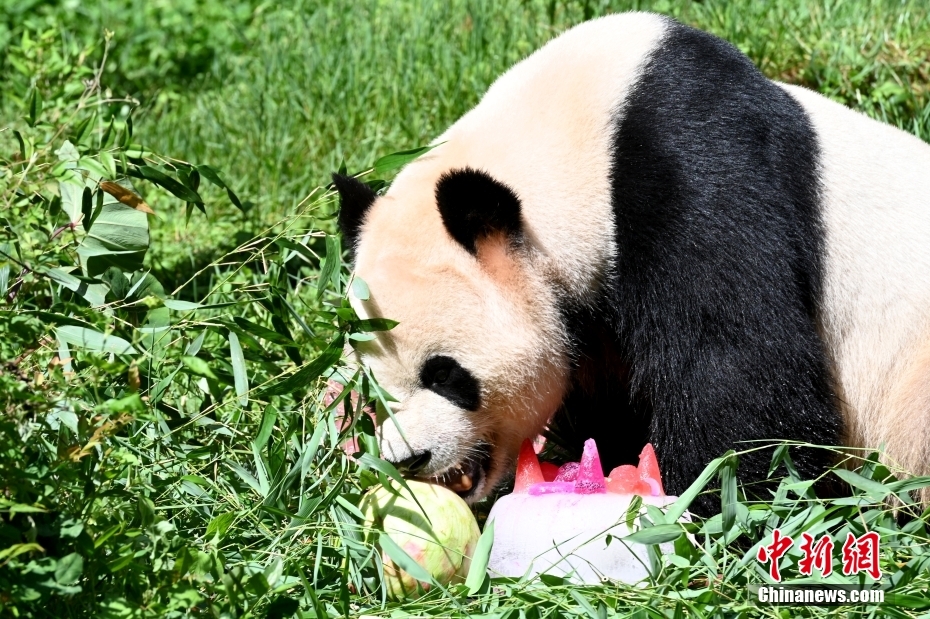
{"points": [[415, 463]]}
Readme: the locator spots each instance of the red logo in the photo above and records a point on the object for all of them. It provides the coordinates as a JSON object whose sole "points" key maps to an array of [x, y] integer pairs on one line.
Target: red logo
{"points": [[774, 551], [860, 554], [819, 555]]}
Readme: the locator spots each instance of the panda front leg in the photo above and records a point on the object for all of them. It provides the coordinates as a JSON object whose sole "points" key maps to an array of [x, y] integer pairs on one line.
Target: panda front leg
{"points": [[718, 381]]}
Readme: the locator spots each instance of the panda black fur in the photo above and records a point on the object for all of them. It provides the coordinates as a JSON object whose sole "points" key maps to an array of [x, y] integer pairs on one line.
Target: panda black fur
{"points": [[683, 238]]}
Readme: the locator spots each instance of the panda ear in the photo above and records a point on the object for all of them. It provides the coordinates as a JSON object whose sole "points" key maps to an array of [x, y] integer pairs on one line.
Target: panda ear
{"points": [[355, 199], [475, 206]]}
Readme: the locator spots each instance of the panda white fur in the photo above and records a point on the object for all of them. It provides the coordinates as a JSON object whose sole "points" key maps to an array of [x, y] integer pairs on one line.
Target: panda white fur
{"points": [[636, 227]]}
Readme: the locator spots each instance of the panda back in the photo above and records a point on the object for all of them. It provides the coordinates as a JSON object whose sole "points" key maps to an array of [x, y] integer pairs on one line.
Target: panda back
{"points": [[875, 306], [544, 129]]}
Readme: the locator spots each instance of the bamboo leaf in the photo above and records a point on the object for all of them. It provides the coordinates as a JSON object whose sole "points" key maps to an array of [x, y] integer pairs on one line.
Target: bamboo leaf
{"points": [[264, 431], [360, 289], [678, 508], [35, 107], [11, 552], [728, 492], [262, 332], [310, 372], [478, 570], [240, 372], [658, 534], [383, 466], [399, 159], [81, 128], [181, 306], [330, 266], [214, 177], [166, 182], [94, 340], [905, 600], [907, 485], [402, 560], [873, 489], [583, 602], [198, 366], [86, 209], [219, 525], [247, 477], [376, 324]]}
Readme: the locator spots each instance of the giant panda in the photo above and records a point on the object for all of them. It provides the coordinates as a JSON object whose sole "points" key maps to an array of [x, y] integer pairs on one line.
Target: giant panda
{"points": [[635, 226]]}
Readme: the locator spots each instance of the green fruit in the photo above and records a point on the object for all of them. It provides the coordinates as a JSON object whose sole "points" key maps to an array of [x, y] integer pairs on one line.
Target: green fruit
{"points": [[443, 544]]}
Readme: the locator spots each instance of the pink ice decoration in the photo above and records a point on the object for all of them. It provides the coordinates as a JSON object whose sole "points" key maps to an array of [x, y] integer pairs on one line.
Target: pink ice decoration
{"points": [[585, 477], [590, 479], [552, 487], [567, 472]]}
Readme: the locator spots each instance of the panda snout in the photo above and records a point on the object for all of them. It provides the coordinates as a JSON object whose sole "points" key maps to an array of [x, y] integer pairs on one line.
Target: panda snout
{"points": [[415, 463]]}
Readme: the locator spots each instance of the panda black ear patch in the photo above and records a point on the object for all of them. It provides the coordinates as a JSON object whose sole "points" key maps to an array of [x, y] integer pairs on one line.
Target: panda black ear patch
{"points": [[355, 199], [474, 206]]}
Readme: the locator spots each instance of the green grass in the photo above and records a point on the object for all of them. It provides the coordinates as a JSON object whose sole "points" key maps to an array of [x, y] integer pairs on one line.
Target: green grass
{"points": [[320, 84], [280, 96], [187, 480]]}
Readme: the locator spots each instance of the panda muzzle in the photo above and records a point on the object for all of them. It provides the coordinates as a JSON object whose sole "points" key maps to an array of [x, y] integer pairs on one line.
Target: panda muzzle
{"points": [[456, 480], [465, 478]]}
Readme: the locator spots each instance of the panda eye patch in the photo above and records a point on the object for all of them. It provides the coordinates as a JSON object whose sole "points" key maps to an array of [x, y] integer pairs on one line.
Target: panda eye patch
{"points": [[445, 376]]}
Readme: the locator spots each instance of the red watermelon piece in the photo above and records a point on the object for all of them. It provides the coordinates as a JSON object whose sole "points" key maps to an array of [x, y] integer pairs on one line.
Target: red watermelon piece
{"points": [[649, 470], [645, 479], [528, 470], [625, 479], [549, 470], [586, 477]]}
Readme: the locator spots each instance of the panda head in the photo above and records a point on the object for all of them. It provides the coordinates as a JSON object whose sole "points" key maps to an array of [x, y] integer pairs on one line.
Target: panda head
{"points": [[478, 360]]}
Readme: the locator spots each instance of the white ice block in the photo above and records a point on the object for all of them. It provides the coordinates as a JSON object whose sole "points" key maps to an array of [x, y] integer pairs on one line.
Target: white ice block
{"points": [[561, 534]]}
